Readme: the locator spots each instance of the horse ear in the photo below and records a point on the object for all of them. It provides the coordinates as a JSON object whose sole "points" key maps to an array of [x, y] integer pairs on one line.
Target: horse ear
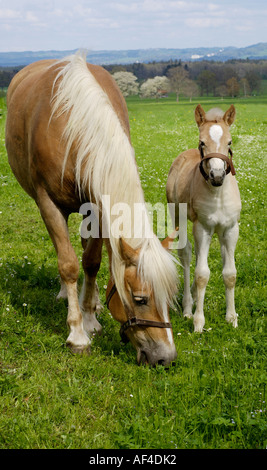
{"points": [[229, 115], [128, 254], [200, 115], [167, 242]]}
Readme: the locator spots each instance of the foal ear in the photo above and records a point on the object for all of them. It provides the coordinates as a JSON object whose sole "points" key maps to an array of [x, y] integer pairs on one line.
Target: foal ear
{"points": [[167, 242], [128, 254], [200, 115], [229, 115]]}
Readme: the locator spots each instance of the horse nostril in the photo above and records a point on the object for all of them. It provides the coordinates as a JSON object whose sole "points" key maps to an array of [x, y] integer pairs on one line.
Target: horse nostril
{"points": [[211, 173], [161, 362], [165, 363], [143, 358]]}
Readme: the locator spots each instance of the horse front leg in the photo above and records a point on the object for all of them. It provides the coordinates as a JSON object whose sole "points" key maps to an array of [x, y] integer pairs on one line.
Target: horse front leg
{"points": [[185, 256], [89, 297], [202, 237], [63, 293], [68, 267], [228, 239]]}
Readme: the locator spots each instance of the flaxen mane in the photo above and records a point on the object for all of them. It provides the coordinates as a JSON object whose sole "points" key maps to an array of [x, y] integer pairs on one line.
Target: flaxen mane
{"points": [[214, 115], [106, 160]]}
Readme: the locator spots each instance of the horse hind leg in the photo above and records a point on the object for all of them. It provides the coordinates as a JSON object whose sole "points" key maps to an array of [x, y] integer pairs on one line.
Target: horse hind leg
{"points": [[89, 298], [202, 243], [228, 242], [68, 267]]}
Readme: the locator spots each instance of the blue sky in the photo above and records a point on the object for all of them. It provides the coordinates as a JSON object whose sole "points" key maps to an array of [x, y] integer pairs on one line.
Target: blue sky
{"points": [[136, 24]]}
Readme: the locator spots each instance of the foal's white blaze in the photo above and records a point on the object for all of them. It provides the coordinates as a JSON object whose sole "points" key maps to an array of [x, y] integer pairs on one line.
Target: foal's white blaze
{"points": [[216, 133]]}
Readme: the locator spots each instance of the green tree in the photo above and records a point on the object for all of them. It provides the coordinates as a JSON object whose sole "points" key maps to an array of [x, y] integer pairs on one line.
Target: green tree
{"points": [[207, 82], [254, 80], [232, 87]]}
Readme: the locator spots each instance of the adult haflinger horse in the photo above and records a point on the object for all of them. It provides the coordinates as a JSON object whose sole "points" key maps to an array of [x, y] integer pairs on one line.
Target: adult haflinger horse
{"points": [[204, 179], [68, 142]]}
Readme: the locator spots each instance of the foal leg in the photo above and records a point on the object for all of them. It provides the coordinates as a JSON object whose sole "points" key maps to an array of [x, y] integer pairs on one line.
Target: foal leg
{"points": [[68, 267], [89, 297], [202, 238], [185, 256], [228, 240]]}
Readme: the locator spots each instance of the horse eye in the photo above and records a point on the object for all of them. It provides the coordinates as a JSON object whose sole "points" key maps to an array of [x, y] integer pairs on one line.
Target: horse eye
{"points": [[140, 300], [202, 144], [230, 143]]}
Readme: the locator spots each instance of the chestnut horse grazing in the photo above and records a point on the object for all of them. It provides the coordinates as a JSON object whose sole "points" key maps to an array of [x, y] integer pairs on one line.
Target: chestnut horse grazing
{"points": [[68, 143], [204, 179]]}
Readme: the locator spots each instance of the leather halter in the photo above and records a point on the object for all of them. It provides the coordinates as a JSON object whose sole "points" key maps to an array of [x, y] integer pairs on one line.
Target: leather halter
{"points": [[133, 320], [229, 161]]}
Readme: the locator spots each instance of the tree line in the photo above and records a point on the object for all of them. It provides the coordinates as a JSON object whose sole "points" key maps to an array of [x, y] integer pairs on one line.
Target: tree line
{"points": [[231, 78], [6, 75]]}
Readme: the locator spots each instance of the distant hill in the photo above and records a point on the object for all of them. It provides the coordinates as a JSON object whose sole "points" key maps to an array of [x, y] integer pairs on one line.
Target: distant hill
{"points": [[256, 51]]}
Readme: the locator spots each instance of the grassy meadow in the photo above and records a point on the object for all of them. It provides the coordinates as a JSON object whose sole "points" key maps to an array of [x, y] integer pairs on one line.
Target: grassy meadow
{"points": [[214, 397]]}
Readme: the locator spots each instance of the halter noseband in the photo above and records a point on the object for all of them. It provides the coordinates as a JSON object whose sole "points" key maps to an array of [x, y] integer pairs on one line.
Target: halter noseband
{"points": [[230, 165], [133, 320]]}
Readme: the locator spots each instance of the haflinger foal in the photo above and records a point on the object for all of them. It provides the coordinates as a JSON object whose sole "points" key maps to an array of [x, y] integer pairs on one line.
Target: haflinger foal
{"points": [[204, 179]]}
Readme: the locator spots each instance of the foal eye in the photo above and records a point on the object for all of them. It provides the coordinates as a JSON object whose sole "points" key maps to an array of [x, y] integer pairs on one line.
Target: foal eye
{"points": [[230, 143], [140, 300], [202, 144]]}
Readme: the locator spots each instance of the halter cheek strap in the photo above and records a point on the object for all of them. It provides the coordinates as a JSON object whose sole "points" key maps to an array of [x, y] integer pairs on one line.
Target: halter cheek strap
{"points": [[133, 320]]}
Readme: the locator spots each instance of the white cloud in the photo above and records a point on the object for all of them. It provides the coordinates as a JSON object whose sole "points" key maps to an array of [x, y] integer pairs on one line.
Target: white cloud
{"points": [[7, 14], [125, 24], [31, 17], [206, 22]]}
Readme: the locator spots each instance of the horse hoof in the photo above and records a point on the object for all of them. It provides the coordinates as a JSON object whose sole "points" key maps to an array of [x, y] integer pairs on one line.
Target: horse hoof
{"points": [[188, 315], [232, 320], [198, 328]]}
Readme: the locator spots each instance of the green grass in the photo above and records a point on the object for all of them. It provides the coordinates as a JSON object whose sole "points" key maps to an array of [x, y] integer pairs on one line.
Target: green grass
{"points": [[214, 397]]}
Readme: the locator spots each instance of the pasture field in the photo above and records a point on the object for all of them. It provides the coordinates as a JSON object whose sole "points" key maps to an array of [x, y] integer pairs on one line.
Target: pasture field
{"points": [[214, 397]]}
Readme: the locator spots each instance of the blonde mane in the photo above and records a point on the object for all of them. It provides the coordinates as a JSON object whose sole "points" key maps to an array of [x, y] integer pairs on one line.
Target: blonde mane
{"points": [[105, 165], [214, 115]]}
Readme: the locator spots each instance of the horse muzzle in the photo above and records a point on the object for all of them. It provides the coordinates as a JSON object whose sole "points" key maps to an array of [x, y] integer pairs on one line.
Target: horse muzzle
{"points": [[216, 177], [158, 356]]}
